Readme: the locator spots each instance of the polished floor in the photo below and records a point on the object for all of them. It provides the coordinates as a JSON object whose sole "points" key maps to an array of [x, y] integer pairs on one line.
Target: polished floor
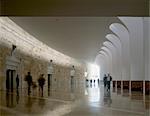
{"points": [[94, 100]]}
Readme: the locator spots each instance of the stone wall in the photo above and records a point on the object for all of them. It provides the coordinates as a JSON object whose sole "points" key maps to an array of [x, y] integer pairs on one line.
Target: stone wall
{"points": [[34, 56]]}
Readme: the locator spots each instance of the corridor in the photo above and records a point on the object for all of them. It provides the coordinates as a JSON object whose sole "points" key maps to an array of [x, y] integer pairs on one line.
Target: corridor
{"points": [[59, 66]]}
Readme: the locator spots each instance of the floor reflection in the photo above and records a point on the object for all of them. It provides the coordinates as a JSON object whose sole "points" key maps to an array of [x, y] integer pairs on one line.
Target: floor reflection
{"points": [[9, 100], [137, 96], [93, 102], [93, 92], [107, 98], [17, 96], [28, 104], [41, 103], [126, 93], [119, 91], [114, 89]]}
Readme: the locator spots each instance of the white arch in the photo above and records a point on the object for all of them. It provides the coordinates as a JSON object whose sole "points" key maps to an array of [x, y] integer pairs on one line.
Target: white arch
{"points": [[106, 59], [110, 57], [123, 34], [101, 61], [117, 43], [135, 27], [113, 50]]}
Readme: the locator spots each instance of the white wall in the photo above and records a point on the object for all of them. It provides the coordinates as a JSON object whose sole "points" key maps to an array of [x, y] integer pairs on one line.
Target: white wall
{"points": [[146, 21]]}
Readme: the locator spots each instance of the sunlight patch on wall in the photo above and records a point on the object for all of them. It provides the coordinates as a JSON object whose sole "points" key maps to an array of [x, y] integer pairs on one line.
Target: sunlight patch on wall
{"points": [[93, 71], [11, 33]]}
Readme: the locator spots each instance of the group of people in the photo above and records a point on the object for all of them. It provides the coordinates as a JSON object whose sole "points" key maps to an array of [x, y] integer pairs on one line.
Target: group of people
{"points": [[107, 81], [41, 82], [41, 79], [92, 81]]}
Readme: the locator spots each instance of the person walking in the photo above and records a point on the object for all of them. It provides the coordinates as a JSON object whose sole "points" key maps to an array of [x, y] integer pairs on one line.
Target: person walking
{"points": [[109, 79], [28, 78], [17, 82], [41, 82], [98, 81], [105, 80]]}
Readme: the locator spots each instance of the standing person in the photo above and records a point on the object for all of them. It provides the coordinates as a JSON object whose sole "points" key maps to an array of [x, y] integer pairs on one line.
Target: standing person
{"points": [[94, 81], [105, 80], [72, 74], [91, 81], [17, 82], [87, 82], [41, 82], [29, 82], [98, 81], [109, 79], [50, 73]]}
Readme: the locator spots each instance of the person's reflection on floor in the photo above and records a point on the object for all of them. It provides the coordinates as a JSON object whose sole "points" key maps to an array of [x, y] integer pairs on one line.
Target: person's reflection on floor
{"points": [[12, 100], [94, 84], [29, 104], [87, 85], [90, 85], [41, 103], [17, 96], [17, 92], [107, 98]]}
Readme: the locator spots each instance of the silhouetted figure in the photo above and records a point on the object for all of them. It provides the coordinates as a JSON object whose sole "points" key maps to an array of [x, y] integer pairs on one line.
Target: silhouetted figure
{"points": [[98, 81], [87, 82], [105, 80], [17, 82], [94, 81], [91, 81], [41, 82], [28, 78], [109, 79]]}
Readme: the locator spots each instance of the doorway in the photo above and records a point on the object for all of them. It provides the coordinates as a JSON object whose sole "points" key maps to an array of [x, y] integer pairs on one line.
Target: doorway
{"points": [[10, 79]]}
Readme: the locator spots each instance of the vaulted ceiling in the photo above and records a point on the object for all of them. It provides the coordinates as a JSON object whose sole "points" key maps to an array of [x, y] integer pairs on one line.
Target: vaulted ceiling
{"points": [[78, 37]]}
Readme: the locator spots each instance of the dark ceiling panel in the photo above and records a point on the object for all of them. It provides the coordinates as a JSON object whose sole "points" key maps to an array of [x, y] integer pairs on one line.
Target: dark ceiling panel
{"points": [[75, 7]]}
